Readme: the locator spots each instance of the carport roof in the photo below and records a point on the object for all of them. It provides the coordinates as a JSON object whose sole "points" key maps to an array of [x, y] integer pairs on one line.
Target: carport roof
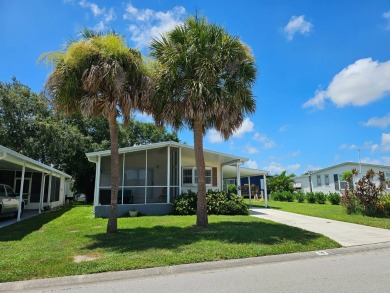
{"points": [[11, 160]]}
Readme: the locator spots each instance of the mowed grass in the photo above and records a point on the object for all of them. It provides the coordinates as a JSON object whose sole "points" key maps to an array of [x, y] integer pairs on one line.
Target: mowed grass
{"points": [[46, 245], [327, 211]]}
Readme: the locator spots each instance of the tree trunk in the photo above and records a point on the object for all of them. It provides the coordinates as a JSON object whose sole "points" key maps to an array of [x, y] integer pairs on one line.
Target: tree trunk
{"points": [[201, 210], [112, 225]]}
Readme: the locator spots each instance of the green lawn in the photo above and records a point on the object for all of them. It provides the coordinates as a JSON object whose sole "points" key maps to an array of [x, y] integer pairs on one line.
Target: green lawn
{"points": [[45, 246], [328, 211]]}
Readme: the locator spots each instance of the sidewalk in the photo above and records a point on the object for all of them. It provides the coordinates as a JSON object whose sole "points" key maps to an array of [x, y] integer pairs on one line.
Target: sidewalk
{"points": [[347, 234]]}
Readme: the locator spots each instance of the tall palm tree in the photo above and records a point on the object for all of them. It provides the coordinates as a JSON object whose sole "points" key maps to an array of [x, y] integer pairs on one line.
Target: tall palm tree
{"points": [[204, 80], [100, 75]]}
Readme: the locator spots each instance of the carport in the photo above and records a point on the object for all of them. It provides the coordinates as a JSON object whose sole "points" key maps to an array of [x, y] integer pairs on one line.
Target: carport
{"points": [[37, 184]]}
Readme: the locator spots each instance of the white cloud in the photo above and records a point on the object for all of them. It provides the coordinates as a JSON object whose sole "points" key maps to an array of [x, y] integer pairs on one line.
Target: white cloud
{"points": [[386, 15], [386, 160], [141, 116], [283, 128], [105, 16], [368, 145], [386, 141], [251, 149], [359, 84], [275, 167], [267, 142], [246, 126], [96, 11], [297, 24], [345, 146], [312, 168], [381, 122], [251, 164], [295, 153], [214, 136], [146, 24], [368, 160]]}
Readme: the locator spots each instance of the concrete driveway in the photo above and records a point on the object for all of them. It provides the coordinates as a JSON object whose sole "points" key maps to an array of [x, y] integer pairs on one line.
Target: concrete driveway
{"points": [[8, 220], [347, 234]]}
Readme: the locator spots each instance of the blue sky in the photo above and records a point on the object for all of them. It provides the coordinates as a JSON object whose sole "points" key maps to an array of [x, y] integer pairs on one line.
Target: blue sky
{"points": [[323, 88]]}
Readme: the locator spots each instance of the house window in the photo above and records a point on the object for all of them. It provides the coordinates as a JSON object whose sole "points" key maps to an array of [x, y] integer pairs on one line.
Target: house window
{"points": [[318, 180], [327, 180], [187, 175], [336, 182], [190, 176], [340, 184]]}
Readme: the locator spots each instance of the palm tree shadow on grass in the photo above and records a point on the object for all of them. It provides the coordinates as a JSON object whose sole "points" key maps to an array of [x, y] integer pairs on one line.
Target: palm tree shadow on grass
{"points": [[21, 229], [171, 237]]}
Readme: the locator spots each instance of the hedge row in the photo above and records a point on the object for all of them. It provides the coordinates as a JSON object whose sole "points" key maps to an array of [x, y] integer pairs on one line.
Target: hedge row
{"points": [[310, 197]]}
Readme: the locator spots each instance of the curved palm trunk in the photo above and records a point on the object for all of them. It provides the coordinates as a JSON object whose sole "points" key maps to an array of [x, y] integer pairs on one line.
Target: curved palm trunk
{"points": [[112, 225], [201, 210]]}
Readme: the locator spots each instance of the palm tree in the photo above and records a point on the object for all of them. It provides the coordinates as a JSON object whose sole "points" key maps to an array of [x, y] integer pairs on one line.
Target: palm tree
{"points": [[100, 75], [203, 80]]}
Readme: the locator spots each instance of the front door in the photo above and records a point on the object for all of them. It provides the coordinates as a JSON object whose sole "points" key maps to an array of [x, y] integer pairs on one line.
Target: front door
{"points": [[26, 188]]}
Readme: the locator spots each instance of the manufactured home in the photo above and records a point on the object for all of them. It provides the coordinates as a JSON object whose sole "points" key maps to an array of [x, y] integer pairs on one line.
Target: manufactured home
{"points": [[152, 175], [330, 179]]}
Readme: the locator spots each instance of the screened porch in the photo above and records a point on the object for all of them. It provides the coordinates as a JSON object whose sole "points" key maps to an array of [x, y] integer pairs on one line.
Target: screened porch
{"points": [[149, 176]]}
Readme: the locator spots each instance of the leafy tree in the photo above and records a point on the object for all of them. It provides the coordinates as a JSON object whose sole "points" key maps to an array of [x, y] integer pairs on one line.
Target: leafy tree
{"points": [[203, 81], [30, 126], [281, 182], [100, 75], [137, 133]]}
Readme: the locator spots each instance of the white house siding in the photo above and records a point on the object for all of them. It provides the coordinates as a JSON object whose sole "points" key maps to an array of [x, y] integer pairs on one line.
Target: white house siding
{"points": [[304, 181], [339, 170], [189, 162]]}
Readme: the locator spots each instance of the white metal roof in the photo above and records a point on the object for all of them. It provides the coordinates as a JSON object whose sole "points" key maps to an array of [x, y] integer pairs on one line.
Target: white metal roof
{"points": [[187, 150], [11, 159], [348, 163]]}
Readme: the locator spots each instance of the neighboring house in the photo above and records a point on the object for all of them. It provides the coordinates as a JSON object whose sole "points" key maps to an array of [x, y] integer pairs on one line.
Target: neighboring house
{"points": [[41, 185], [330, 179], [152, 175]]}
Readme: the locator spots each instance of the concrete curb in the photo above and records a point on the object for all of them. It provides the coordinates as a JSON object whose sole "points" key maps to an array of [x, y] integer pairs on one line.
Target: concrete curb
{"points": [[41, 285]]}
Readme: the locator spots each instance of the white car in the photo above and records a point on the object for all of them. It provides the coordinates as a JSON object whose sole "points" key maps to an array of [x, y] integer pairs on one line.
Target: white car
{"points": [[9, 201]]}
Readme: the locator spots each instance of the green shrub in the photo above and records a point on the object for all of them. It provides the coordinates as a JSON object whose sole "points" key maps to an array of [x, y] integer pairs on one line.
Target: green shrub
{"points": [[278, 196], [310, 197], [320, 197], [218, 203], [385, 204], [334, 198], [232, 188], [288, 196], [185, 204], [300, 197]]}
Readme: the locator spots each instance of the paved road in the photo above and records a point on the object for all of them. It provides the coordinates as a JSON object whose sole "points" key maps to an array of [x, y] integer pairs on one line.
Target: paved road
{"points": [[347, 234], [355, 269]]}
